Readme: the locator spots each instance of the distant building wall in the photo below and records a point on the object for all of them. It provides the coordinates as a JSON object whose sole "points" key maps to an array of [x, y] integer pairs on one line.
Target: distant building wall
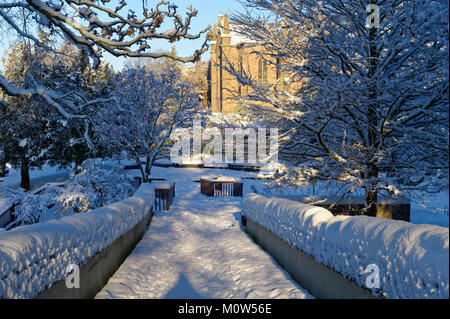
{"points": [[227, 47]]}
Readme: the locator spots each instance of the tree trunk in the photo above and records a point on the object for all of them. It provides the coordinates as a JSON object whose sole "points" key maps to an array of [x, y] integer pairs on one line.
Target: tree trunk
{"points": [[371, 203], [78, 163], [144, 176], [371, 191], [148, 166], [25, 175], [372, 118]]}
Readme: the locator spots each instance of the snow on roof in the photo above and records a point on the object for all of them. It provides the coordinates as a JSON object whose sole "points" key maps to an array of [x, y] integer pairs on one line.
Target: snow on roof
{"points": [[5, 204], [159, 185], [8, 197], [237, 38]]}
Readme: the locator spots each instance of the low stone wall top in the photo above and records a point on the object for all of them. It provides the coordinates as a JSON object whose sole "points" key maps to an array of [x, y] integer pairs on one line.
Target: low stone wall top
{"points": [[412, 259], [35, 256]]}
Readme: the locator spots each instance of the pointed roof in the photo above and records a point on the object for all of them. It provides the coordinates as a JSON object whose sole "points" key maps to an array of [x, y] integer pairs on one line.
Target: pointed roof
{"points": [[214, 33]]}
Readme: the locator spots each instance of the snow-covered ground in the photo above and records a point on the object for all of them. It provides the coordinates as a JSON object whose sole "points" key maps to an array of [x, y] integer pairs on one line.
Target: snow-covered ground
{"points": [[436, 213], [198, 250], [419, 215], [38, 177], [35, 256], [425, 208]]}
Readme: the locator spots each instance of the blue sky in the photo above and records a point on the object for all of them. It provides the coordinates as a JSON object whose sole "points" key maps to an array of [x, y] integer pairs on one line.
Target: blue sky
{"points": [[208, 11]]}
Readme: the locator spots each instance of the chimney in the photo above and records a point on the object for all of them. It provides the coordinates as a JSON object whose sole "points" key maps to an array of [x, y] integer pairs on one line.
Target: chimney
{"points": [[214, 33], [220, 21], [226, 25]]}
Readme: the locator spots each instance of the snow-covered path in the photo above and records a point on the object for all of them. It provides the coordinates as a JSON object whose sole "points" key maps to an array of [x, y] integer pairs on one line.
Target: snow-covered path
{"points": [[198, 250]]}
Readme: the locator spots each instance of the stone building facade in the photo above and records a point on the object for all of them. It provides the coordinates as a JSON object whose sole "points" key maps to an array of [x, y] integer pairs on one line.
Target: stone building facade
{"points": [[229, 47]]}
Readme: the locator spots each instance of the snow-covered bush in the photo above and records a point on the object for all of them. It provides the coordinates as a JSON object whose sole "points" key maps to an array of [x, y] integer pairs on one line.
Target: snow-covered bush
{"points": [[149, 107], [93, 187], [412, 259], [8, 197]]}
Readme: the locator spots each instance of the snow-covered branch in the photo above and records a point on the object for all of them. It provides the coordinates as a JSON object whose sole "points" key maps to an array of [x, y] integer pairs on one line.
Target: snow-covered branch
{"points": [[128, 36], [371, 104], [148, 108]]}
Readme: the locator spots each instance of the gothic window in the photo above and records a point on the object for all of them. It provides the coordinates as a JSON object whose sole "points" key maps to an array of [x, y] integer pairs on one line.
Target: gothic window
{"points": [[241, 64], [278, 69], [262, 71]]}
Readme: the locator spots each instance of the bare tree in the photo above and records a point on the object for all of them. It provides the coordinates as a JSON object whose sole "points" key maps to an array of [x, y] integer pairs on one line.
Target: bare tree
{"points": [[149, 107]]}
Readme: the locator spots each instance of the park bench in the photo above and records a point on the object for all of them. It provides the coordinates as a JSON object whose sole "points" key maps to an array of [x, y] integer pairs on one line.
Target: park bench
{"points": [[164, 195], [6, 216], [221, 187]]}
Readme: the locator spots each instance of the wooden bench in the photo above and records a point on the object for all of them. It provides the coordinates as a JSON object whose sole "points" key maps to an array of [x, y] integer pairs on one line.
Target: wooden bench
{"points": [[164, 195], [221, 188], [6, 216]]}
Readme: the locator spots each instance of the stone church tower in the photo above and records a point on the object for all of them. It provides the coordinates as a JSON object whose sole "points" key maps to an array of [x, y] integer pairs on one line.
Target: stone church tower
{"points": [[230, 47]]}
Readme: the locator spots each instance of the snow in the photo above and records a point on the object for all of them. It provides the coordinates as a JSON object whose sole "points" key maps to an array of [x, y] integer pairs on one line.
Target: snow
{"points": [[38, 177], [96, 185], [425, 216], [35, 256], [162, 185], [221, 178], [5, 204], [413, 259], [198, 250], [425, 208], [8, 198], [23, 142], [229, 264], [435, 212]]}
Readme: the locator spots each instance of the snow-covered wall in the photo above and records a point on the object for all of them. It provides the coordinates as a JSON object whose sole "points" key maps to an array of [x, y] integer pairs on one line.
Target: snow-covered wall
{"points": [[35, 256], [413, 259]]}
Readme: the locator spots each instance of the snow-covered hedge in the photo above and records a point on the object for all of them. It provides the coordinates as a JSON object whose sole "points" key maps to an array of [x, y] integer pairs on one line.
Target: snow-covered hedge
{"points": [[413, 259], [35, 256]]}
